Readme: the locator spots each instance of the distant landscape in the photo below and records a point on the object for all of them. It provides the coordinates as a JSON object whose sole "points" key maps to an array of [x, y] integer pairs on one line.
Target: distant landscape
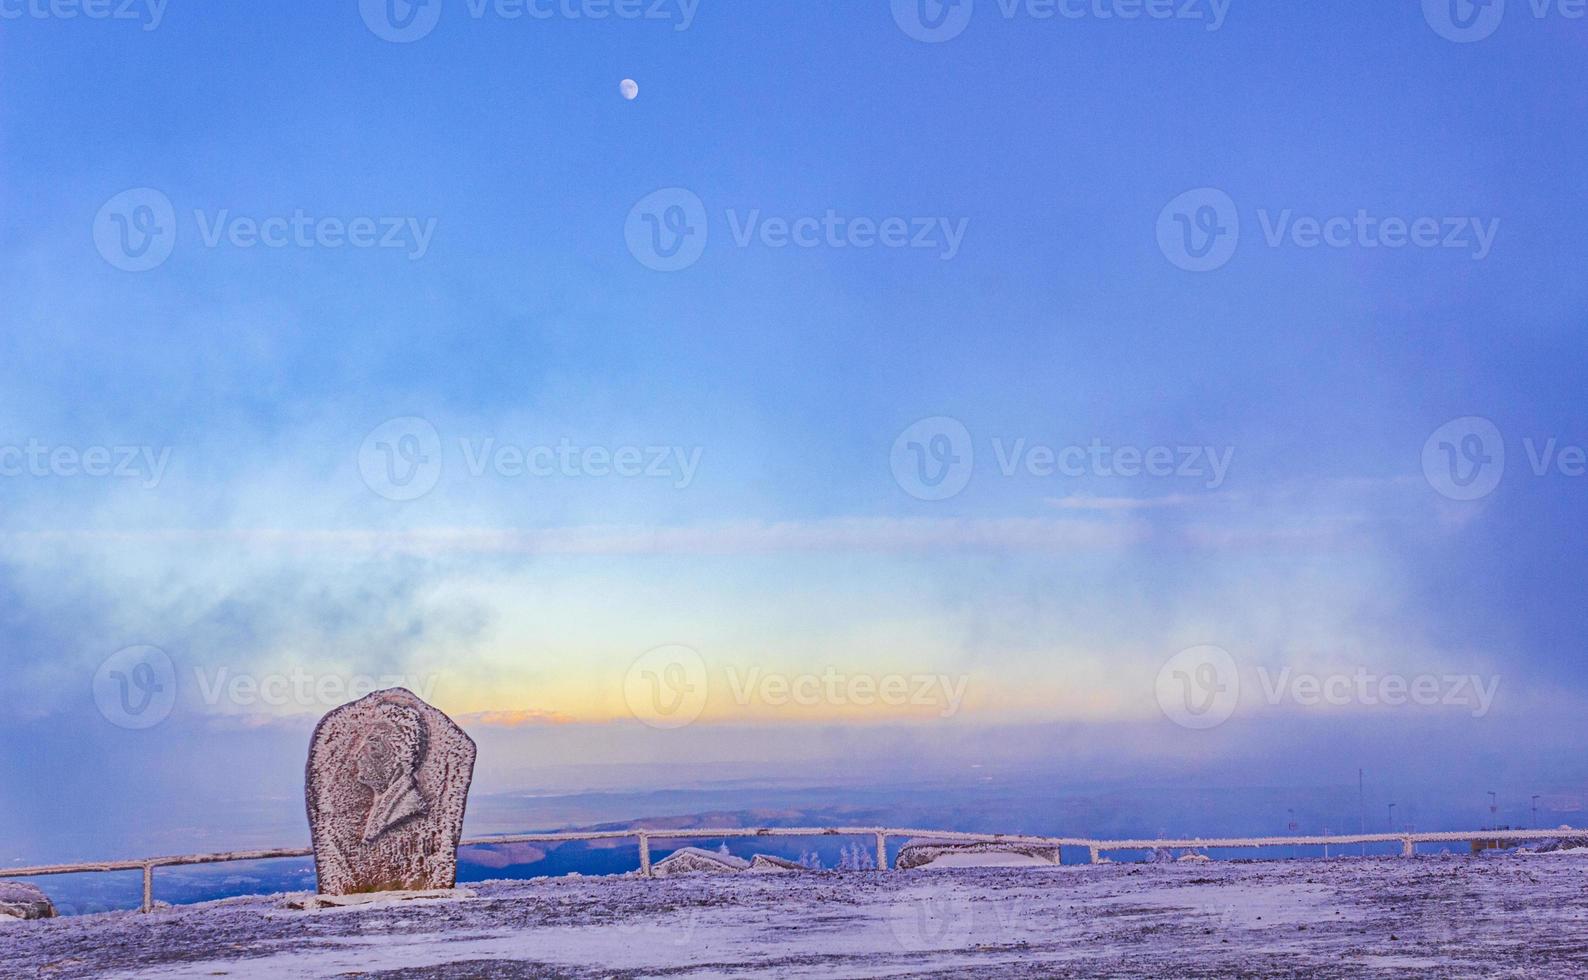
{"points": [[987, 807]]}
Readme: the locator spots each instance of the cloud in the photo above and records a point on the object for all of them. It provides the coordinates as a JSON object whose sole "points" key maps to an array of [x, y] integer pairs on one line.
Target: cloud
{"points": [[1082, 502], [516, 719], [871, 534]]}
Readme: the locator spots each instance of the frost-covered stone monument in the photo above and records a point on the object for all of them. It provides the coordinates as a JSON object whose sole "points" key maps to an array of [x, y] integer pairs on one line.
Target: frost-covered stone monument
{"points": [[387, 783]]}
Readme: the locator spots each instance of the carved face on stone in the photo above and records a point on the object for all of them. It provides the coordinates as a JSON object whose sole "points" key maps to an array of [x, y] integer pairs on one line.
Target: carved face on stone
{"points": [[392, 749], [387, 762]]}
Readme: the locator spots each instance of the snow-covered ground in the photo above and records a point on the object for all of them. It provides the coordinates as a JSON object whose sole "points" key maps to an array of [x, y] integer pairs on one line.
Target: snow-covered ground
{"points": [[1509, 916]]}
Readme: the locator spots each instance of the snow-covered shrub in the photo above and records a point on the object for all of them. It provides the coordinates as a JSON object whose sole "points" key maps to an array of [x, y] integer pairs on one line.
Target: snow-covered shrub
{"points": [[855, 857]]}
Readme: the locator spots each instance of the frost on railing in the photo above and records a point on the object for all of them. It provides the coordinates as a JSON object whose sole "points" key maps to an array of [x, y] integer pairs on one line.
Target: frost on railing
{"points": [[1095, 848]]}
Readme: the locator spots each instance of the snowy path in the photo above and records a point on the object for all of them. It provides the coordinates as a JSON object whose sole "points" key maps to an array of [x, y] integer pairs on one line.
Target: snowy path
{"points": [[1495, 916]]}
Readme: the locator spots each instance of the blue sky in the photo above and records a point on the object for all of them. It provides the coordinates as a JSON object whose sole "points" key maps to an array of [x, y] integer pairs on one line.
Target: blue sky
{"points": [[771, 387]]}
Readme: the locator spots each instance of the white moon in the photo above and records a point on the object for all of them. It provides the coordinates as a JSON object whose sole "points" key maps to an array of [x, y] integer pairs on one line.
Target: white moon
{"points": [[630, 89]]}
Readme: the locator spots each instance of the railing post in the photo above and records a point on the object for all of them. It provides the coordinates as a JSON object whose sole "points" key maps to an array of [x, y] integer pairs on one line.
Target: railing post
{"points": [[1408, 848], [148, 889], [645, 856], [882, 852], [1094, 853]]}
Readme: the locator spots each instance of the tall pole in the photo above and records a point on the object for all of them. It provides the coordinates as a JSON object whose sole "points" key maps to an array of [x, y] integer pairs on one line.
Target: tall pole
{"points": [[1534, 824], [1392, 818], [1361, 809], [1494, 811]]}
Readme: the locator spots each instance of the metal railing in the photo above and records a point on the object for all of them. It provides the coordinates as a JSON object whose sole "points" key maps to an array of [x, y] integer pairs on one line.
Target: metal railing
{"points": [[1096, 848]]}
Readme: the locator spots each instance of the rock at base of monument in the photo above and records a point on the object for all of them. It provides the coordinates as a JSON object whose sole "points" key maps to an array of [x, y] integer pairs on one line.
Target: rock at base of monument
{"points": [[974, 854], [387, 782], [768, 864], [311, 902], [21, 901]]}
